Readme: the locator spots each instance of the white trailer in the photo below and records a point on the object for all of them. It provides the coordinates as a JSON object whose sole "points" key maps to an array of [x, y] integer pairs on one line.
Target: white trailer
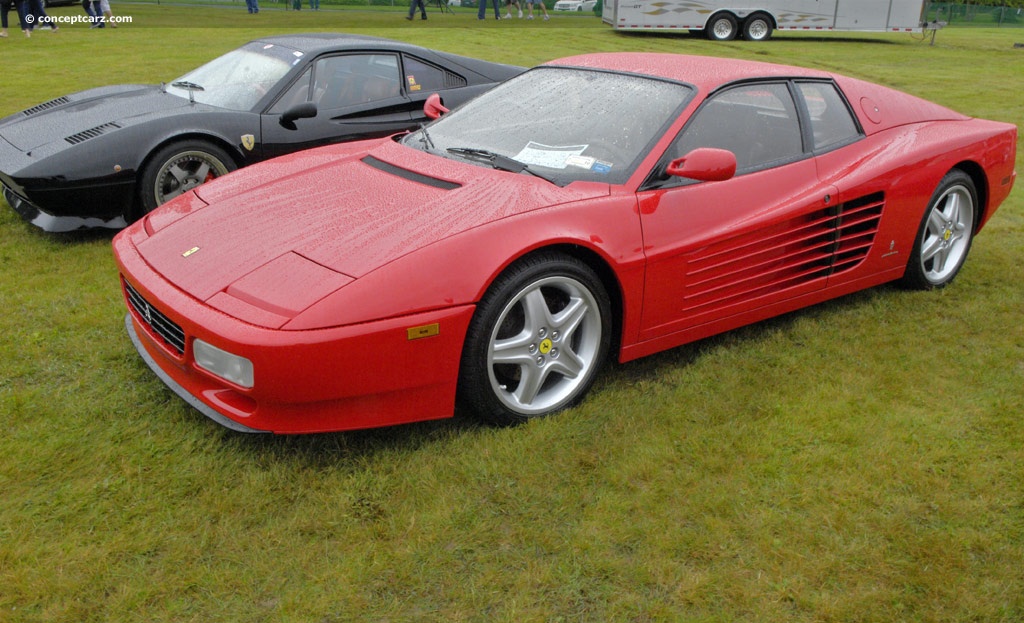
{"points": [[755, 21]]}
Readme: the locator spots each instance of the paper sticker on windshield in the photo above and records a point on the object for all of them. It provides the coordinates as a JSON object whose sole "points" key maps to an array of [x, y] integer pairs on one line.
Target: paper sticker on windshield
{"points": [[584, 162], [548, 156]]}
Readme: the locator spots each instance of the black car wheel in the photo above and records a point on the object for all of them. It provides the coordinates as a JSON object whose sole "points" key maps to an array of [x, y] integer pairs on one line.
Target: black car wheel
{"points": [[945, 235], [180, 167], [537, 340]]}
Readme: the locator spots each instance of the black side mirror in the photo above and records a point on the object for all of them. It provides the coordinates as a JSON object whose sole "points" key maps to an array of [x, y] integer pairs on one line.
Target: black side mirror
{"points": [[305, 110]]}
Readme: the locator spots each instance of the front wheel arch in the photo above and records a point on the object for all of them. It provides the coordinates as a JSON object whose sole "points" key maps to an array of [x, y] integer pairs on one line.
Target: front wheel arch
{"points": [[138, 209], [538, 338]]}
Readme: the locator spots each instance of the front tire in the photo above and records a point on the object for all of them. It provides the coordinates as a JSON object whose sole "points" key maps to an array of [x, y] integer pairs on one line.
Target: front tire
{"points": [[722, 27], [945, 235], [537, 340], [180, 167]]}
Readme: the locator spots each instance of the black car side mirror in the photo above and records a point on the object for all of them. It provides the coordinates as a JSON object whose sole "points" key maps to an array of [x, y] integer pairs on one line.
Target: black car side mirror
{"points": [[305, 110]]}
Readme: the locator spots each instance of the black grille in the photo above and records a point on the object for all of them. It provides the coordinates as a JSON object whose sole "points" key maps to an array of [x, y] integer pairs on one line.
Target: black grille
{"points": [[60, 101], [170, 333]]}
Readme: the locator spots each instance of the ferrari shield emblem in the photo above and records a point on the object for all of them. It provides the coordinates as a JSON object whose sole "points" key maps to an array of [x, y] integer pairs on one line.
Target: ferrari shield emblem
{"points": [[248, 141]]}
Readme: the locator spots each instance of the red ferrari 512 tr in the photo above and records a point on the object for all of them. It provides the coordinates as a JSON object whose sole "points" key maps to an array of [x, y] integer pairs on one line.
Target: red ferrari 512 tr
{"points": [[632, 202]]}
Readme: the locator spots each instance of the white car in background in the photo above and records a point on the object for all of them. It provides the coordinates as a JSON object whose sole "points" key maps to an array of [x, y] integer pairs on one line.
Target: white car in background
{"points": [[575, 5]]}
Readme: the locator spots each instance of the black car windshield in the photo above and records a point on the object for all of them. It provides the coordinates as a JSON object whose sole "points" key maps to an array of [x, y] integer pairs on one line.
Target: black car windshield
{"points": [[564, 124], [240, 78]]}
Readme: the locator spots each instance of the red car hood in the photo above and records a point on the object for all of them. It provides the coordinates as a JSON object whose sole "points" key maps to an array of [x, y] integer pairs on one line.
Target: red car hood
{"points": [[339, 212]]}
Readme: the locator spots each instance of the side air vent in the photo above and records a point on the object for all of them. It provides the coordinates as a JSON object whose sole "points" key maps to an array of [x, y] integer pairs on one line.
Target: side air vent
{"points": [[60, 101], [453, 81], [785, 255], [99, 130]]}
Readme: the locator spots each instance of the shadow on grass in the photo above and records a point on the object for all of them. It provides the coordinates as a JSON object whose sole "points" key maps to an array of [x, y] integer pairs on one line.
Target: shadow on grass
{"points": [[328, 450]]}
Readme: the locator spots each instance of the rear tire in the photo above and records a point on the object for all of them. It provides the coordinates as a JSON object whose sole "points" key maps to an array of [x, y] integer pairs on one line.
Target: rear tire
{"points": [[536, 341], [945, 235], [758, 27]]}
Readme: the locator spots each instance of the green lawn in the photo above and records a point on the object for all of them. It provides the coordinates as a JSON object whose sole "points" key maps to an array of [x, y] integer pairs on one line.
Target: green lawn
{"points": [[857, 461]]}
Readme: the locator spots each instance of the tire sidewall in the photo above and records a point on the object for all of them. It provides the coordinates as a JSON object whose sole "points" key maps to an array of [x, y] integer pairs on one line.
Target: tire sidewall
{"points": [[474, 386], [152, 168], [915, 276]]}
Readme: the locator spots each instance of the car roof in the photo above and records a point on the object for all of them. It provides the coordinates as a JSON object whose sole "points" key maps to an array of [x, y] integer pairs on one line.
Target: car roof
{"points": [[704, 72], [315, 43]]}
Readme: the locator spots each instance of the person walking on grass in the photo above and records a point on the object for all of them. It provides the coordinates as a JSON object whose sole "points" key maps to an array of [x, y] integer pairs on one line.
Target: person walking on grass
{"points": [[412, 9]]}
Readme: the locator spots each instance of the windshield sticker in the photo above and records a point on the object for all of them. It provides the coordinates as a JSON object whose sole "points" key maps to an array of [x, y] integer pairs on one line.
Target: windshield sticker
{"points": [[604, 168], [584, 162], [548, 156]]}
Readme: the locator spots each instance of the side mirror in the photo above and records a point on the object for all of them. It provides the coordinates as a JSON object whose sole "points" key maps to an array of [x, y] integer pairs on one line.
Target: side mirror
{"points": [[433, 108], [705, 164], [305, 110]]}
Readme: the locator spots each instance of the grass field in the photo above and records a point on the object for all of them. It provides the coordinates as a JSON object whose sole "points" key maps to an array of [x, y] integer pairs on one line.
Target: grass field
{"points": [[862, 460]]}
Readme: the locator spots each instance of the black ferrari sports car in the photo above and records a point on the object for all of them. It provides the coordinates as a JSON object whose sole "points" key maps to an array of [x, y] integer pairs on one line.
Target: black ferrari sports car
{"points": [[104, 157]]}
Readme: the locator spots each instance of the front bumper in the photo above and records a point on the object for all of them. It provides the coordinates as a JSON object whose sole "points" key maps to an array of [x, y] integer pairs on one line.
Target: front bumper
{"points": [[57, 224], [343, 378]]}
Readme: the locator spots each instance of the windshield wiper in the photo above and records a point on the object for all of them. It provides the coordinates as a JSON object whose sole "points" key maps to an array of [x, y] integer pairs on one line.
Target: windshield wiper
{"points": [[426, 137], [497, 161]]}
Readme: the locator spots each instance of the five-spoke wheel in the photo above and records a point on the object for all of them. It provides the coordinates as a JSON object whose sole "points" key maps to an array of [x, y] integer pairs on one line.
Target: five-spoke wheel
{"points": [[180, 167], [537, 340], [945, 234]]}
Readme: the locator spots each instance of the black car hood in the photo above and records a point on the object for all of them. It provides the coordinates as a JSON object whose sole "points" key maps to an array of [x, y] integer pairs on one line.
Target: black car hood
{"points": [[77, 116]]}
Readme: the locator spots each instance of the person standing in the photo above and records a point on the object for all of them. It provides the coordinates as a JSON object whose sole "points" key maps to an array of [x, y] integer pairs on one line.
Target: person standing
{"points": [[5, 7], [107, 13], [20, 7], [508, 8], [482, 12], [253, 6], [35, 15], [314, 5], [543, 7]]}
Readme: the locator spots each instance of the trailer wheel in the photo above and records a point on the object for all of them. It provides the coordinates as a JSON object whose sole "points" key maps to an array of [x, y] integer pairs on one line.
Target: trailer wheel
{"points": [[722, 27], [758, 27]]}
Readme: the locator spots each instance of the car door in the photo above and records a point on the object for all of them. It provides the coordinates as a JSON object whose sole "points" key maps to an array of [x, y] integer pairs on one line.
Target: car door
{"points": [[357, 96], [717, 249]]}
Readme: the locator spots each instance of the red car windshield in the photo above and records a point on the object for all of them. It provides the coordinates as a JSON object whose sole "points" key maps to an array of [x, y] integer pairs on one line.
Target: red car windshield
{"points": [[566, 124]]}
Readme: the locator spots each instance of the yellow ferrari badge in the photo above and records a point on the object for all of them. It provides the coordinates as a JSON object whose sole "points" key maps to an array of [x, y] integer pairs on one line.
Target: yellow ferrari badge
{"points": [[248, 141]]}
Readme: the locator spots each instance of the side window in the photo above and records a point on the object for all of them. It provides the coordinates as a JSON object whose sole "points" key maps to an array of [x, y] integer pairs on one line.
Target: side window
{"points": [[353, 79], [831, 121], [422, 76], [756, 122], [296, 94]]}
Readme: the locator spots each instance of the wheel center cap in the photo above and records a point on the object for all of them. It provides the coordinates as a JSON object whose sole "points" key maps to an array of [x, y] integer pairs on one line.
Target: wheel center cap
{"points": [[545, 347], [946, 235]]}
